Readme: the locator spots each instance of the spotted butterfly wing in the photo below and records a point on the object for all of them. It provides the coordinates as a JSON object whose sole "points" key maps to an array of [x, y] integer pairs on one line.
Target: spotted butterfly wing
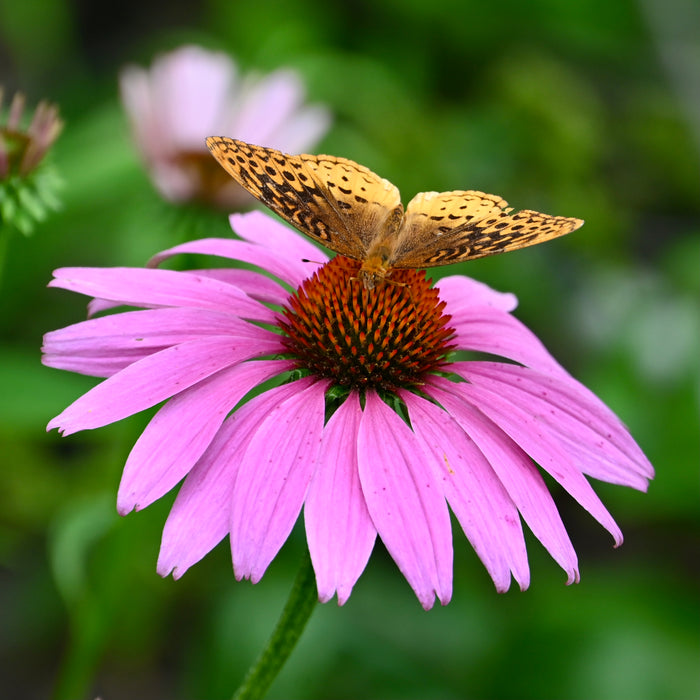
{"points": [[335, 201], [446, 227]]}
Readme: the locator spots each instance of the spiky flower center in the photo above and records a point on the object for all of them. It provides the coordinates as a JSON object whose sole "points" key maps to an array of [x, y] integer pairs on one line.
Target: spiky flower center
{"points": [[385, 338]]}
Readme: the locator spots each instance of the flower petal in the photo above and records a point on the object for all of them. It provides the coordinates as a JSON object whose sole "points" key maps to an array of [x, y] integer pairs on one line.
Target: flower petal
{"points": [[146, 287], [586, 428], [201, 515], [165, 452], [482, 505], [272, 480], [282, 253], [463, 293], [535, 438], [339, 529], [515, 471], [498, 333], [254, 284], [106, 345], [258, 227], [405, 501], [155, 378]]}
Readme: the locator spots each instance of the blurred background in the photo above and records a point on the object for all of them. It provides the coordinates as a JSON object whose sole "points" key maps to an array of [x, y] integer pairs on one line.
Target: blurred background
{"points": [[588, 109]]}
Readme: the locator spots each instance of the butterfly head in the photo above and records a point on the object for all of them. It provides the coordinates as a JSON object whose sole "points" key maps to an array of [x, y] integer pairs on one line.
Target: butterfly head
{"points": [[374, 270]]}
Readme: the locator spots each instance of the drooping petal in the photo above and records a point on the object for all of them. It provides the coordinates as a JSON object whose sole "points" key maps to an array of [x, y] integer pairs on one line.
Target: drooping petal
{"points": [[482, 505], [585, 427], [515, 471], [463, 293], [405, 501], [106, 345], [498, 333], [339, 529], [201, 515], [179, 433], [144, 287], [155, 378], [272, 480], [535, 438]]}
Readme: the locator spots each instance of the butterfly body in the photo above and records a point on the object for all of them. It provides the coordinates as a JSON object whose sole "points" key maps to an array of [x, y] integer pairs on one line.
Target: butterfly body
{"points": [[354, 212]]}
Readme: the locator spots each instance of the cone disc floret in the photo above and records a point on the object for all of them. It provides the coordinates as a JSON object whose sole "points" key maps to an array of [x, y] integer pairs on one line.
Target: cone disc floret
{"points": [[385, 338]]}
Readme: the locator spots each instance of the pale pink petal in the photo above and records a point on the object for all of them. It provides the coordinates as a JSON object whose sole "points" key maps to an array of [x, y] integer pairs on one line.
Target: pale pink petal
{"points": [[587, 429], [339, 529], [304, 128], [179, 433], [405, 501], [498, 333], [477, 497], [535, 438], [144, 287], [516, 472], [272, 480], [190, 87], [201, 515], [462, 293], [155, 378], [136, 96], [265, 105]]}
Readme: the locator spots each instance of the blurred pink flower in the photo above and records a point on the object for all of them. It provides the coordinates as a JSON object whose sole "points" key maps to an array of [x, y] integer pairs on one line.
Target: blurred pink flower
{"points": [[462, 434], [191, 93]]}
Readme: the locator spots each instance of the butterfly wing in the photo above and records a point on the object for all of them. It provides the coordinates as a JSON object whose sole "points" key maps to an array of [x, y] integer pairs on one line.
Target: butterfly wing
{"points": [[337, 202], [447, 227]]}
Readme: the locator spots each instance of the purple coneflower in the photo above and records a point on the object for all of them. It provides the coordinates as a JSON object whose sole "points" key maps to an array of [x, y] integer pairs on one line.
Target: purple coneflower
{"points": [[369, 425], [190, 93]]}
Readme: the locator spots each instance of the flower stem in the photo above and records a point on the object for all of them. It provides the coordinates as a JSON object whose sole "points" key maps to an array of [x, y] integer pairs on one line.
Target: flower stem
{"points": [[300, 604]]}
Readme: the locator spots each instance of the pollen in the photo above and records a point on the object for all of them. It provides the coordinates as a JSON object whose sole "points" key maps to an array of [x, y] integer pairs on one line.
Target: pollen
{"points": [[386, 338]]}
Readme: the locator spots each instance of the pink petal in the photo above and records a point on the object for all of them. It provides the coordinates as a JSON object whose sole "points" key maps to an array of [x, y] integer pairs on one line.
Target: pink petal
{"points": [[477, 497], [273, 478], [201, 515], [258, 227], [339, 529], [534, 437], [179, 433], [115, 341], [405, 501], [254, 284], [515, 471], [498, 333], [281, 255], [585, 427], [463, 293], [144, 287], [155, 378]]}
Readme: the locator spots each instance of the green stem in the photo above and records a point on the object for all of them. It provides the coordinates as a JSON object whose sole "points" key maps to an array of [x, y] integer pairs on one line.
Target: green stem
{"points": [[300, 604]]}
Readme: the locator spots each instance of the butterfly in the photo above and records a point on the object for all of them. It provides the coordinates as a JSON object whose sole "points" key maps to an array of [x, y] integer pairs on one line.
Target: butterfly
{"points": [[354, 212]]}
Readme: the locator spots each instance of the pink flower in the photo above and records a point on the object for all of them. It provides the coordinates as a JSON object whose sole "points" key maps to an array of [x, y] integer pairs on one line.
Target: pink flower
{"points": [[410, 431], [191, 93]]}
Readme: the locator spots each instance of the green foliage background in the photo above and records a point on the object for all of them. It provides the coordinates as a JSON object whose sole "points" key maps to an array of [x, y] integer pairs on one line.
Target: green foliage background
{"points": [[586, 109]]}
